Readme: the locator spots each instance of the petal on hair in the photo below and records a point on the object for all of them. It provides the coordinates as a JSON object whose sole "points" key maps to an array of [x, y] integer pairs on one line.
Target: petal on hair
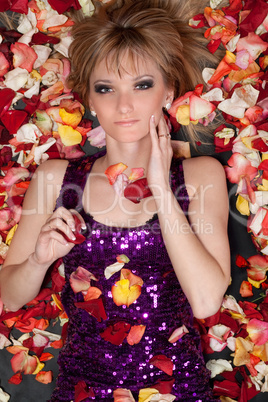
{"points": [[200, 108]]}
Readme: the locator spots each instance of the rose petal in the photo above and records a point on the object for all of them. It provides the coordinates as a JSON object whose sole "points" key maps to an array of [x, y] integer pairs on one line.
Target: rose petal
{"points": [[163, 363], [80, 279]]}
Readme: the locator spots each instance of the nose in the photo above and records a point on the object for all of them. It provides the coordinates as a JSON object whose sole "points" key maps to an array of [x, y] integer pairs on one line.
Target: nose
{"points": [[125, 103]]}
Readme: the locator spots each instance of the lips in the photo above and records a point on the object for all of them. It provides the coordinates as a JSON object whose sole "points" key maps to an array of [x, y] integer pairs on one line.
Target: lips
{"points": [[126, 123]]}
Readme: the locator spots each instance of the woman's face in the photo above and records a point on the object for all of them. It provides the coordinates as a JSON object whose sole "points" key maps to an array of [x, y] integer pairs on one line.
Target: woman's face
{"points": [[124, 103]]}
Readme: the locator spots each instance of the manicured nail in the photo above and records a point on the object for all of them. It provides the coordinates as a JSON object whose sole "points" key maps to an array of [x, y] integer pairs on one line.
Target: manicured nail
{"points": [[153, 118]]}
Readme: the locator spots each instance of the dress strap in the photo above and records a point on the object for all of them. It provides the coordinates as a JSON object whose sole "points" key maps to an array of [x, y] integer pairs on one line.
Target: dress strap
{"points": [[177, 183], [74, 182]]}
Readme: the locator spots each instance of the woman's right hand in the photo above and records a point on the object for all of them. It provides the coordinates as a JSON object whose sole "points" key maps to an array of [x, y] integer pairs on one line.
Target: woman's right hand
{"points": [[52, 241]]}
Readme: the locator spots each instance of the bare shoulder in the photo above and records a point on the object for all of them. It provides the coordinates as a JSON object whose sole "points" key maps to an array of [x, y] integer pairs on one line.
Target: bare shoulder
{"points": [[203, 170], [46, 184], [53, 167]]}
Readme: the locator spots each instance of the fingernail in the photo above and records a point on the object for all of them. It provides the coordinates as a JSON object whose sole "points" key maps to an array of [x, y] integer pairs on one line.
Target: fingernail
{"points": [[153, 118]]}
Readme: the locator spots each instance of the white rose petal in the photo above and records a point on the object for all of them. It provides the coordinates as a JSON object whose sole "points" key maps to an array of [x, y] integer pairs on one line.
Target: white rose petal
{"points": [[27, 37], [217, 366], [38, 152], [34, 90], [16, 78], [50, 78], [43, 53], [63, 46], [112, 269], [25, 24], [28, 133], [4, 397]]}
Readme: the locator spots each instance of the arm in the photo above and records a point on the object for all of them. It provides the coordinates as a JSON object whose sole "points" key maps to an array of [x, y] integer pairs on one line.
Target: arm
{"points": [[198, 249], [37, 243]]}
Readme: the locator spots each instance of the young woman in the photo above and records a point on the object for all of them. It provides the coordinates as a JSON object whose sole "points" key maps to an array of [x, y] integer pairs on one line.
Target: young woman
{"points": [[129, 62]]}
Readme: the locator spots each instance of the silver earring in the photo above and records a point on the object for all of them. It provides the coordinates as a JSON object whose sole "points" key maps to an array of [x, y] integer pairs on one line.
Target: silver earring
{"points": [[94, 114], [168, 106]]}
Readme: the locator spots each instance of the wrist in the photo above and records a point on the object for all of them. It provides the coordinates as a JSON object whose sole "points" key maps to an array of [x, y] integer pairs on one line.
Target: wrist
{"points": [[33, 260]]}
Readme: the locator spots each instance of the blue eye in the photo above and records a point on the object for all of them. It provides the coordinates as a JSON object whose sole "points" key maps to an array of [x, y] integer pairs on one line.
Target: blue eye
{"points": [[102, 89], [144, 85]]}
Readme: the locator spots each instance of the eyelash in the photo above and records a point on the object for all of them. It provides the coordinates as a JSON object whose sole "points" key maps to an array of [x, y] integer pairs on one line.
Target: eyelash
{"points": [[142, 86]]}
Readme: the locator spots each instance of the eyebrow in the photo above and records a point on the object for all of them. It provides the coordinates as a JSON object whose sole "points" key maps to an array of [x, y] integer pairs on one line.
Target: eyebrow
{"points": [[134, 79]]}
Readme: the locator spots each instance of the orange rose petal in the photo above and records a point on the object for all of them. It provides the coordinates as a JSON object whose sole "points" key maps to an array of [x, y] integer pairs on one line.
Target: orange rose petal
{"points": [[92, 293], [123, 294], [45, 377], [136, 173], [115, 170], [135, 334]]}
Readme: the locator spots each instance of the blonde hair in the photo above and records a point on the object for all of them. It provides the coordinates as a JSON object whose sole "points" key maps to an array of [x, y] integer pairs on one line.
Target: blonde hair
{"points": [[155, 29]]}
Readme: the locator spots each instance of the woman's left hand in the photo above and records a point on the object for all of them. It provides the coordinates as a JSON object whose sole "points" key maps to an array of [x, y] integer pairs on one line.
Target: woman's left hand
{"points": [[161, 155]]}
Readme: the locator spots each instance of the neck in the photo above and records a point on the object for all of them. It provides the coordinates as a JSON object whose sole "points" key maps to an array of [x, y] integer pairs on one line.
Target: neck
{"points": [[134, 154]]}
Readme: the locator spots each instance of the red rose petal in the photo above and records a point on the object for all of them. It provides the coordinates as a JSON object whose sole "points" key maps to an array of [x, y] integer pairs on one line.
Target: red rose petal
{"points": [[116, 333], [6, 97], [163, 363], [13, 119], [137, 190], [79, 238], [94, 307]]}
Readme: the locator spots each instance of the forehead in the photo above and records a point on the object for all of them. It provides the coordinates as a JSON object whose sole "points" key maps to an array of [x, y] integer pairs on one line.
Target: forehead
{"points": [[126, 66]]}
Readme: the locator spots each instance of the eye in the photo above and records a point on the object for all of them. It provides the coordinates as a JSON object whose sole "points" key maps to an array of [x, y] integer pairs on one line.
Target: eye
{"points": [[143, 85], [102, 89]]}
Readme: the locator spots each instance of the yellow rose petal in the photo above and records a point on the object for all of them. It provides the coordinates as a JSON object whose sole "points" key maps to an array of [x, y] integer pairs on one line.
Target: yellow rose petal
{"points": [[256, 284], [146, 394], [183, 115], [242, 205], [11, 234], [39, 366], [71, 119], [69, 136]]}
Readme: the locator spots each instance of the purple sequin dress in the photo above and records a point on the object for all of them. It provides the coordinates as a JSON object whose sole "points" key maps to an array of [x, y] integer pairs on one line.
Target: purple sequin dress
{"points": [[162, 307]]}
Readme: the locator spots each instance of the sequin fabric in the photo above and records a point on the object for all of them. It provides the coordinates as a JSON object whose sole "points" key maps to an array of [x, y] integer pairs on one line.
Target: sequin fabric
{"points": [[162, 307]]}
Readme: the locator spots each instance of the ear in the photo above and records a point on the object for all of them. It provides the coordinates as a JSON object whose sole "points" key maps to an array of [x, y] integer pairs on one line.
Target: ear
{"points": [[170, 96]]}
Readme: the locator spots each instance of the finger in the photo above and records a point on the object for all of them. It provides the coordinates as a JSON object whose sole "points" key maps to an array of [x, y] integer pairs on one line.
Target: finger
{"points": [[153, 131], [57, 224], [56, 236], [82, 225], [163, 131]]}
